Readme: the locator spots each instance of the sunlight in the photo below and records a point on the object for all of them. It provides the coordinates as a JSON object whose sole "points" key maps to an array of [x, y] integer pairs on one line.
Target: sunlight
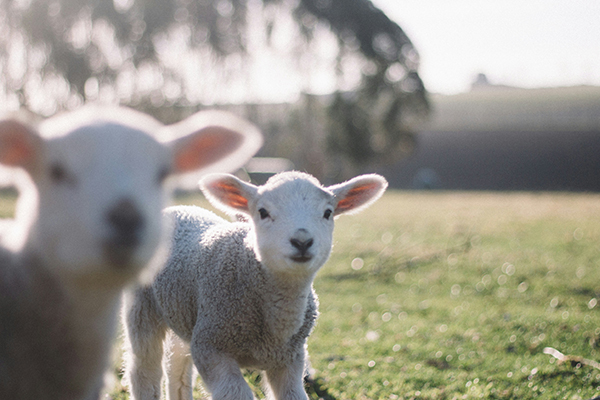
{"points": [[537, 43]]}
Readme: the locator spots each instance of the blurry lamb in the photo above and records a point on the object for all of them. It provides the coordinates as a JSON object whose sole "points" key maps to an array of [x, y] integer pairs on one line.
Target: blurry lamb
{"points": [[92, 225], [239, 295]]}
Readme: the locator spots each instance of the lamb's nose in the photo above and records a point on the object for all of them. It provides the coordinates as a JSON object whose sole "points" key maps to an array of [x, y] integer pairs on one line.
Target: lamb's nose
{"points": [[302, 244], [126, 221]]}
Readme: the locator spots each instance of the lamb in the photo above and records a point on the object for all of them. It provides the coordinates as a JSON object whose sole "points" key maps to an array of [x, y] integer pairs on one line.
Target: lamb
{"points": [[94, 226], [239, 294]]}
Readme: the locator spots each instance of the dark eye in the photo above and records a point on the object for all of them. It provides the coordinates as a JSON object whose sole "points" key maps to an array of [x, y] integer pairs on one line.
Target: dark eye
{"points": [[162, 174], [59, 174], [327, 214], [263, 213]]}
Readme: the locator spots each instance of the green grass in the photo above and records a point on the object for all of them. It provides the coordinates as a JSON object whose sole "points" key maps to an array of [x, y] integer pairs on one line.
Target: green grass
{"points": [[8, 199], [455, 296]]}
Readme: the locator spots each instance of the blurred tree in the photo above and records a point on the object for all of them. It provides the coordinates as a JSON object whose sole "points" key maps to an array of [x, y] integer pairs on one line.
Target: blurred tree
{"points": [[83, 49], [376, 122]]}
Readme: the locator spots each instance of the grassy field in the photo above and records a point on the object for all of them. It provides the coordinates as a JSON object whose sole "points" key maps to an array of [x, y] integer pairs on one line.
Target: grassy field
{"points": [[455, 296]]}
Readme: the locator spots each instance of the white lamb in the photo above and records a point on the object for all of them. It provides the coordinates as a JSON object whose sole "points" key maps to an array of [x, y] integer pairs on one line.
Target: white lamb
{"points": [[95, 224], [239, 295]]}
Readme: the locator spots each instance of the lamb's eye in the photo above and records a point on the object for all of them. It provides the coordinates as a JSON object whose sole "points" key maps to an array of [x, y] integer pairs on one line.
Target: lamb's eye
{"points": [[327, 214], [162, 174], [263, 213], [59, 174]]}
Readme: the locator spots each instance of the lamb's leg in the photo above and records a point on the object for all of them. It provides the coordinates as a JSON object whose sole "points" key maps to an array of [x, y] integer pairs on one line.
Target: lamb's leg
{"points": [[221, 374], [145, 331], [287, 383], [178, 368]]}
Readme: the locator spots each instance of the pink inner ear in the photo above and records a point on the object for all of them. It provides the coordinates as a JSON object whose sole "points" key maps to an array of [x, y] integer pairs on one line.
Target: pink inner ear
{"points": [[356, 197], [229, 194], [16, 147], [213, 144]]}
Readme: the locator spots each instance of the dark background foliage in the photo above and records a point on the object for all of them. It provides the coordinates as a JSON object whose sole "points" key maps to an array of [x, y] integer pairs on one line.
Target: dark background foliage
{"points": [[372, 125]]}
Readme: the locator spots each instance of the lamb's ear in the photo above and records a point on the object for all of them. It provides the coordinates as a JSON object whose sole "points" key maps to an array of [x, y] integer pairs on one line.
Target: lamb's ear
{"points": [[214, 141], [228, 193], [20, 146], [358, 193]]}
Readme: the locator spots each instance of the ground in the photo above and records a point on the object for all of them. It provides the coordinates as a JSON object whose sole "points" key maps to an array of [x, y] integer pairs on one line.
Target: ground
{"points": [[455, 295]]}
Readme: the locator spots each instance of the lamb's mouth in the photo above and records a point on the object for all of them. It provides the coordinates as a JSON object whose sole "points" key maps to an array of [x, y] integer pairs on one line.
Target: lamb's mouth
{"points": [[303, 258], [120, 253]]}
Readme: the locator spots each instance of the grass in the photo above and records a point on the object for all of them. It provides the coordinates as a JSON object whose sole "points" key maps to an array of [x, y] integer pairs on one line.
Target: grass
{"points": [[455, 295]]}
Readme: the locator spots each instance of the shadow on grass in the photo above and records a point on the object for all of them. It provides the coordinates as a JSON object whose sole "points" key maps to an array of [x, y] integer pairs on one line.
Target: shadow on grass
{"points": [[316, 389]]}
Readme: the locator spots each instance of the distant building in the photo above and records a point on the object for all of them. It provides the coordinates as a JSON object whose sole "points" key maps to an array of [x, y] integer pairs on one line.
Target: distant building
{"points": [[480, 81], [502, 138]]}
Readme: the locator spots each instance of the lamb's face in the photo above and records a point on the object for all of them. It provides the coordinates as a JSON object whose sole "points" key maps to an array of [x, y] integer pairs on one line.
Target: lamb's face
{"points": [[292, 214], [107, 179], [293, 222], [99, 175]]}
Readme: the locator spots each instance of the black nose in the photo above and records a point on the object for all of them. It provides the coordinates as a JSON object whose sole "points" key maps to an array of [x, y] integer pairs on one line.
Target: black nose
{"points": [[301, 245], [126, 222]]}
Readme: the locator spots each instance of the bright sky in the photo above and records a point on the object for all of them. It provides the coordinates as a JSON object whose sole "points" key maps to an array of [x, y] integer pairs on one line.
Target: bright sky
{"points": [[530, 43]]}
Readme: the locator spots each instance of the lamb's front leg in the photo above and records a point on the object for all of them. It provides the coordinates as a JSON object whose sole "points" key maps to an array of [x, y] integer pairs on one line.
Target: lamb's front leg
{"points": [[221, 374], [287, 383], [178, 368], [145, 333]]}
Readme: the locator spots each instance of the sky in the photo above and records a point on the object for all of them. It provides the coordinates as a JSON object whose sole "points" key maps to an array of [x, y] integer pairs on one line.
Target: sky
{"points": [[528, 43]]}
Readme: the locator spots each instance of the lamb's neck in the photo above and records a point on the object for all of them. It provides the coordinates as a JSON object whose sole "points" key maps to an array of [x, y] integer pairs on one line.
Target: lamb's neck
{"points": [[93, 299], [95, 311], [288, 299], [95, 307], [90, 312]]}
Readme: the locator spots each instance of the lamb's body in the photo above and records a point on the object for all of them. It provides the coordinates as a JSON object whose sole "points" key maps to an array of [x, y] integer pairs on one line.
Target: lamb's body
{"points": [[24, 286], [92, 224], [242, 309], [239, 294]]}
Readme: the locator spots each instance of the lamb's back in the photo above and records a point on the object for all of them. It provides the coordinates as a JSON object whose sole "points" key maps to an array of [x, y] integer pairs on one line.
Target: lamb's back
{"points": [[208, 260]]}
